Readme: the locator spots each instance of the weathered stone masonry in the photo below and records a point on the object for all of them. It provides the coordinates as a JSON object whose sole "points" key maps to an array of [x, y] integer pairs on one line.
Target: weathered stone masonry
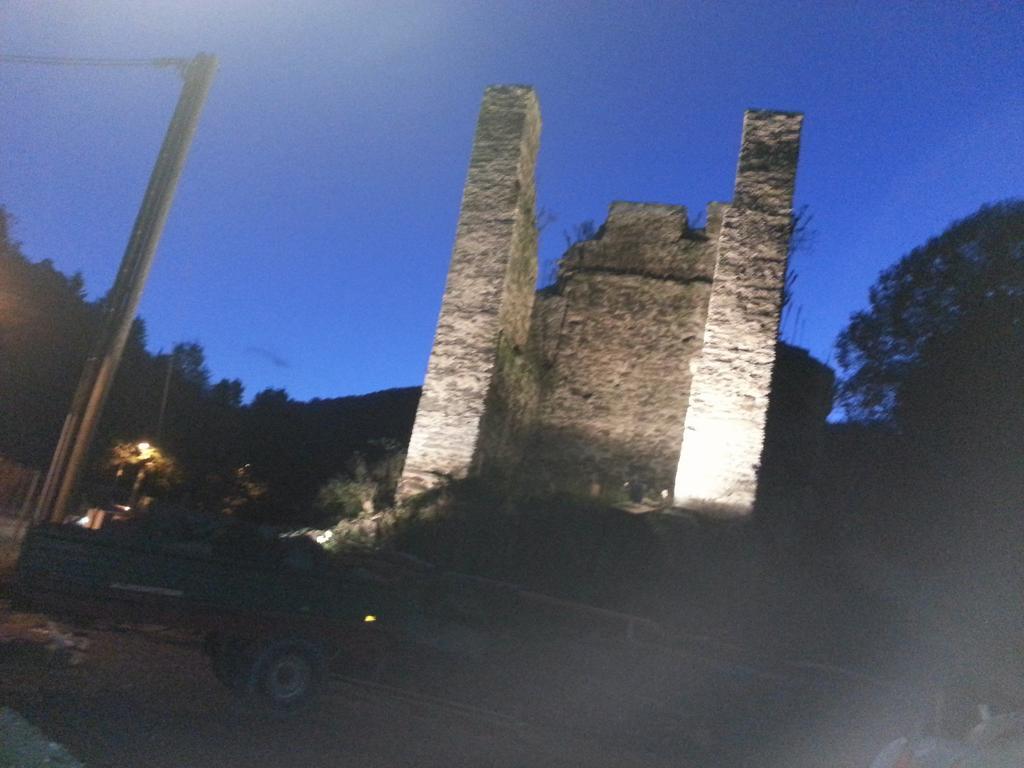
{"points": [[650, 359], [724, 433], [621, 327], [489, 294]]}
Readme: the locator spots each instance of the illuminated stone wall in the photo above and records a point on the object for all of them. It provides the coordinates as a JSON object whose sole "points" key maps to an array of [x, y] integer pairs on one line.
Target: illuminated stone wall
{"points": [[724, 433], [649, 361], [485, 312], [617, 334]]}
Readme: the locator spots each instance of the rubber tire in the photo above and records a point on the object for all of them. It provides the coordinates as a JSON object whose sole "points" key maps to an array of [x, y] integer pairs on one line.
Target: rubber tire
{"points": [[286, 675]]}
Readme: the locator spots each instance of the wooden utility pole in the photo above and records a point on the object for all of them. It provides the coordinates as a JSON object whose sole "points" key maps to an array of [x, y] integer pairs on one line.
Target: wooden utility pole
{"points": [[122, 303], [163, 399]]}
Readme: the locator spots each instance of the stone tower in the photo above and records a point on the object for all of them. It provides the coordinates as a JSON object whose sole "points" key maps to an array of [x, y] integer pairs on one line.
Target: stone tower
{"points": [[647, 365], [724, 432], [488, 297]]}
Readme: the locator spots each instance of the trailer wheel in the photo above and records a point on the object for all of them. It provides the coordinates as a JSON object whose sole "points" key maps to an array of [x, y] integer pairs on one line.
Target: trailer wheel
{"points": [[287, 674]]}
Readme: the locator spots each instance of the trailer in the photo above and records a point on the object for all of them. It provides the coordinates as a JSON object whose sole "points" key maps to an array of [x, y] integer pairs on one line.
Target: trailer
{"points": [[280, 628], [271, 628]]}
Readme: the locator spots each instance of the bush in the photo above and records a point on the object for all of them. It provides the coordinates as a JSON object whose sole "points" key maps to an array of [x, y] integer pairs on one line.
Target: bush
{"points": [[343, 499]]}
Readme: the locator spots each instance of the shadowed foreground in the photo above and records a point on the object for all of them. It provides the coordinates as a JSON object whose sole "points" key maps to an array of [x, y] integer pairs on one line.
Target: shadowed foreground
{"points": [[135, 701], [150, 699]]}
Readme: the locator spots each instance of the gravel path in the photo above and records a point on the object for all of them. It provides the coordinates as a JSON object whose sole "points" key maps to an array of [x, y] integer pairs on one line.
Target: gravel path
{"points": [[134, 701]]}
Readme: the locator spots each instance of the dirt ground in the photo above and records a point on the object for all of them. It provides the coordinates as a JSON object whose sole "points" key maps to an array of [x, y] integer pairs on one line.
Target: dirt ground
{"points": [[115, 697], [129, 699]]}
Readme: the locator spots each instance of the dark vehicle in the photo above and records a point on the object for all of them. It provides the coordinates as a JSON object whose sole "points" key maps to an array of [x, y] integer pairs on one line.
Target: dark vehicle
{"points": [[279, 615], [273, 613], [281, 619]]}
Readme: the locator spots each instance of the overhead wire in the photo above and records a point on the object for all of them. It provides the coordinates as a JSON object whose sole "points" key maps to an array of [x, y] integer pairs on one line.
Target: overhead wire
{"points": [[70, 61]]}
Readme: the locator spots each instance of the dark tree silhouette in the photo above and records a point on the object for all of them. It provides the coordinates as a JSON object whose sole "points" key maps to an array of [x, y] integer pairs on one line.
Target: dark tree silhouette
{"points": [[935, 371], [963, 396], [189, 362], [45, 330], [265, 460], [973, 269]]}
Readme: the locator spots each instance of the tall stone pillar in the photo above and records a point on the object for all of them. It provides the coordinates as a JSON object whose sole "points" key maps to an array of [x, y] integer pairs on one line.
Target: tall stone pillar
{"points": [[724, 428], [489, 294]]}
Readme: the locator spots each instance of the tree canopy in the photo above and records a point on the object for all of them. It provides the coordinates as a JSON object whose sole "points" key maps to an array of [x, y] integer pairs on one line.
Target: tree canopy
{"points": [[265, 460], [46, 327], [968, 279]]}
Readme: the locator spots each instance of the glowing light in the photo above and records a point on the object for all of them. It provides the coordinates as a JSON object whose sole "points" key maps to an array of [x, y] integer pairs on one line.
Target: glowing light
{"points": [[369, 618], [324, 537]]}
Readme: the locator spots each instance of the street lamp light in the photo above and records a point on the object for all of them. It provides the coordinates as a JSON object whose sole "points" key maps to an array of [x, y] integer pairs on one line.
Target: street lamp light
{"points": [[146, 453]]}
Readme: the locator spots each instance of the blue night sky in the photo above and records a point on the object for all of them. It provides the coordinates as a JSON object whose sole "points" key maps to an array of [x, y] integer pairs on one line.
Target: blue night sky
{"points": [[309, 241]]}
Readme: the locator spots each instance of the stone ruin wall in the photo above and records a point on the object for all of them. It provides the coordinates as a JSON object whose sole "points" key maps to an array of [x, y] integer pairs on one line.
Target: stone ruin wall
{"points": [[724, 435], [488, 297], [649, 361], [617, 334]]}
